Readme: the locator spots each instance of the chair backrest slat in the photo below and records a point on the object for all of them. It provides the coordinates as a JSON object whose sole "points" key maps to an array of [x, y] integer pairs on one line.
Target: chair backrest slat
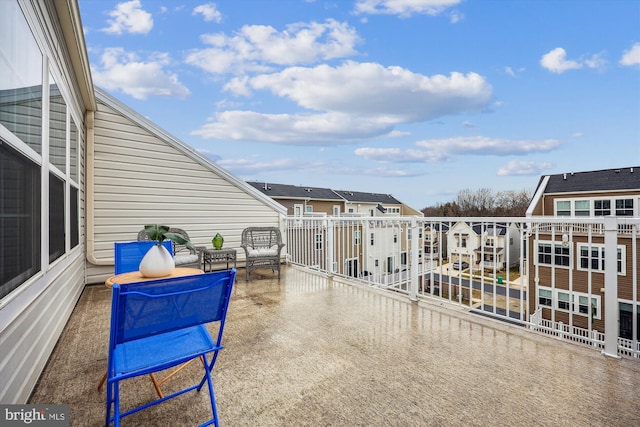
{"points": [[128, 255], [157, 306]]}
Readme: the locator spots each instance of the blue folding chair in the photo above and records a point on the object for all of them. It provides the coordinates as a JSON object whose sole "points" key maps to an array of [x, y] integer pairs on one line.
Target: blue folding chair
{"points": [[129, 254], [159, 324]]}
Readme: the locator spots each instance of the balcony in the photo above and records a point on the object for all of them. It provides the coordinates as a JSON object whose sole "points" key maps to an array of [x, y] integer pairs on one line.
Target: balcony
{"points": [[313, 349]]}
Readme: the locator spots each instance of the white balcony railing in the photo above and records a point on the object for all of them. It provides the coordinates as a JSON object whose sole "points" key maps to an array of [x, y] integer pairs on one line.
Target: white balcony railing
{"points": [[550, 273]]}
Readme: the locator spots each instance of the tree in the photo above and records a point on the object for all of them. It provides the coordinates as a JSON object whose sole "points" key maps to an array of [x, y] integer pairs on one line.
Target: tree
{"points": [[483, 203]]}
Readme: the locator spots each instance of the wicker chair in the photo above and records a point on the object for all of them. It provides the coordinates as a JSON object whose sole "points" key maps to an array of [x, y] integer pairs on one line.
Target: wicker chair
{"points": [[262, 246], [182, 255]]}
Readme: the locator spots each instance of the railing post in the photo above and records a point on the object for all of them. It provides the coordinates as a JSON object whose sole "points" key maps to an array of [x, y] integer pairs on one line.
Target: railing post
{"points": [[330, 254], [610, 287], [413, 284]]}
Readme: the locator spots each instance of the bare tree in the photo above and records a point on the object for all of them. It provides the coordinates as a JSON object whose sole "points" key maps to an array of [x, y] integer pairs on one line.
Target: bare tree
{"points": [[483, 203]]}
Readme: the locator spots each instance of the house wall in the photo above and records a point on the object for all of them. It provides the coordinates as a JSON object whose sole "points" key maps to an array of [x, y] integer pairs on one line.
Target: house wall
{"points": [[143, 176], [33, 316]]}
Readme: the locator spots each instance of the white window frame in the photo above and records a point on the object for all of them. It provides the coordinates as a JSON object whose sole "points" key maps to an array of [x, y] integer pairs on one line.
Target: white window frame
{"points": [[574, 303], [553, 245], [621, 258]]}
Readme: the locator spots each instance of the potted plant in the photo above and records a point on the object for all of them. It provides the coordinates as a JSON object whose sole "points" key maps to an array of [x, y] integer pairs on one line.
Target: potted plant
{"points": [[158, 262]]}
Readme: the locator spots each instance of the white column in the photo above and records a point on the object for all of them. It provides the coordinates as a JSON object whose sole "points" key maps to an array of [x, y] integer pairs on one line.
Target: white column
{"points": [[610, 287], [413, 284], [330, 254]]}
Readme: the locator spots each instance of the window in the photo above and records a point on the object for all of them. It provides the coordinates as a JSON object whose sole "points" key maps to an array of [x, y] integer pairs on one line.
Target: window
{"points": [[585, 308], [308, 208], [563, 208], [56, 217], [356, 237], [490, 242], [395, 238], [21, 77], [318, 242], [595, 258], [602, 207], [336, 210], [582, 208], [564, 301], [372, 239], [403, 258], [57, 127], [554, 254], [624, 207], [545, 297], [19, 218]]}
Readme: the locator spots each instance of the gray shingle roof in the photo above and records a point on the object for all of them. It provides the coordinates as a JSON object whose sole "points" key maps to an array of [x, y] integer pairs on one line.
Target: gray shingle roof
{"points": [[294, 191], [600, 180], [357, 196]]}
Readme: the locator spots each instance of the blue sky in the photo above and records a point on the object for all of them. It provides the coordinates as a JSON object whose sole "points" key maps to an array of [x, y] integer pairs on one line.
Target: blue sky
{"points": [[416, 98]]}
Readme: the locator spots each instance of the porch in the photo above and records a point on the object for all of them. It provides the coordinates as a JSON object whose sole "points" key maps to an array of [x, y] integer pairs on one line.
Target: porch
{"points": [[310, 350]]}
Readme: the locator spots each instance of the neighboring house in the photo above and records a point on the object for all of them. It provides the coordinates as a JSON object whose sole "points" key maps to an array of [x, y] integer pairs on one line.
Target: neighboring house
{"points": [[486, 246], [567, 266], [362, 247], [300, 200], [435, 240], [303, 200], [79, 171]]}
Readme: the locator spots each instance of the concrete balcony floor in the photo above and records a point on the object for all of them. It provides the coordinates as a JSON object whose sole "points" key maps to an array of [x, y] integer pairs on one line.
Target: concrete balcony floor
{"points": [[309, 351]]}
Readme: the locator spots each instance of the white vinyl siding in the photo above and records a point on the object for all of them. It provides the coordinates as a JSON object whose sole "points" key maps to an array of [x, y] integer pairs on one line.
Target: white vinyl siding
{"points": [[141, 178]]}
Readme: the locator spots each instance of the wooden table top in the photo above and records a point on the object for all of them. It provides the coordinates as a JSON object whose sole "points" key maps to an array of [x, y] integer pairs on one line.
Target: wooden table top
{"points": [[136, 276]]}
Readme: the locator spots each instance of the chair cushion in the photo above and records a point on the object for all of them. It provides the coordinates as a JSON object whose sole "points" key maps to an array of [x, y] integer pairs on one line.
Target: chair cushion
{"points": [[260, 252], [186, 259]]}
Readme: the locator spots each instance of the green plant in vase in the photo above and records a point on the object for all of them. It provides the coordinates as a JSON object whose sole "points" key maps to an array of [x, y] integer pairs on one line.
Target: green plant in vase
{"points": [[158, 262]]}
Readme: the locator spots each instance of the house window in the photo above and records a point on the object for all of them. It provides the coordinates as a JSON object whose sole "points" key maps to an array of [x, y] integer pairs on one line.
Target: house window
{"points": [[595, 258], [56, 218], [336, 210], [553, 254], [403, 258], [57, 127], [20, 212], [297, 210], [395, 238], [564, 301], [318, 242], [582, 208], [372, 239], [545, 297], [602, 207], [490, 242], [308, 208], [585, 308], [356, 237], [376, 263], [624, 207], [563, 208]]}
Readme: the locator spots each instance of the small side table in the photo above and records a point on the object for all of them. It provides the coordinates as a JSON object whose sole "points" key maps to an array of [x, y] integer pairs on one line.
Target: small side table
{"points": [[209, 256]]}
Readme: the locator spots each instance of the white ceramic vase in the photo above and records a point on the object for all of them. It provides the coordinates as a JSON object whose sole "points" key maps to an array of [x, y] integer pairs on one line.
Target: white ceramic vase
{"points": [[157, 262]]}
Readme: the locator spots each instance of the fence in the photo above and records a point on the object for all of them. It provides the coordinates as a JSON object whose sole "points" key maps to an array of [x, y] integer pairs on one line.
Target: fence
{"points": [[559, 270]]}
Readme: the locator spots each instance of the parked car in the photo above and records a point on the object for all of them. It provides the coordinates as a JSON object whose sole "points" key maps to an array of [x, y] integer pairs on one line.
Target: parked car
{"points": [[460, 265]]}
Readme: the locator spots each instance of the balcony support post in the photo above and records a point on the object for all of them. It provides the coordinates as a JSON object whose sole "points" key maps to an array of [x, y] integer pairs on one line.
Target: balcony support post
{"points": [[414, 268], [611, 287]]}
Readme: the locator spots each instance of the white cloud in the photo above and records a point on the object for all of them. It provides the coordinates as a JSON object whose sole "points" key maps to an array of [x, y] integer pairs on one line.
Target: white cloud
{"points": [[403, 8], [342, 108], [396, 155], [522, 168], [123, 71], [128, 17], [434, 150], [293, 129], [253, 166], [209, 12], [258, 47], [556, 62], [348, 89], [631, 56]]}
